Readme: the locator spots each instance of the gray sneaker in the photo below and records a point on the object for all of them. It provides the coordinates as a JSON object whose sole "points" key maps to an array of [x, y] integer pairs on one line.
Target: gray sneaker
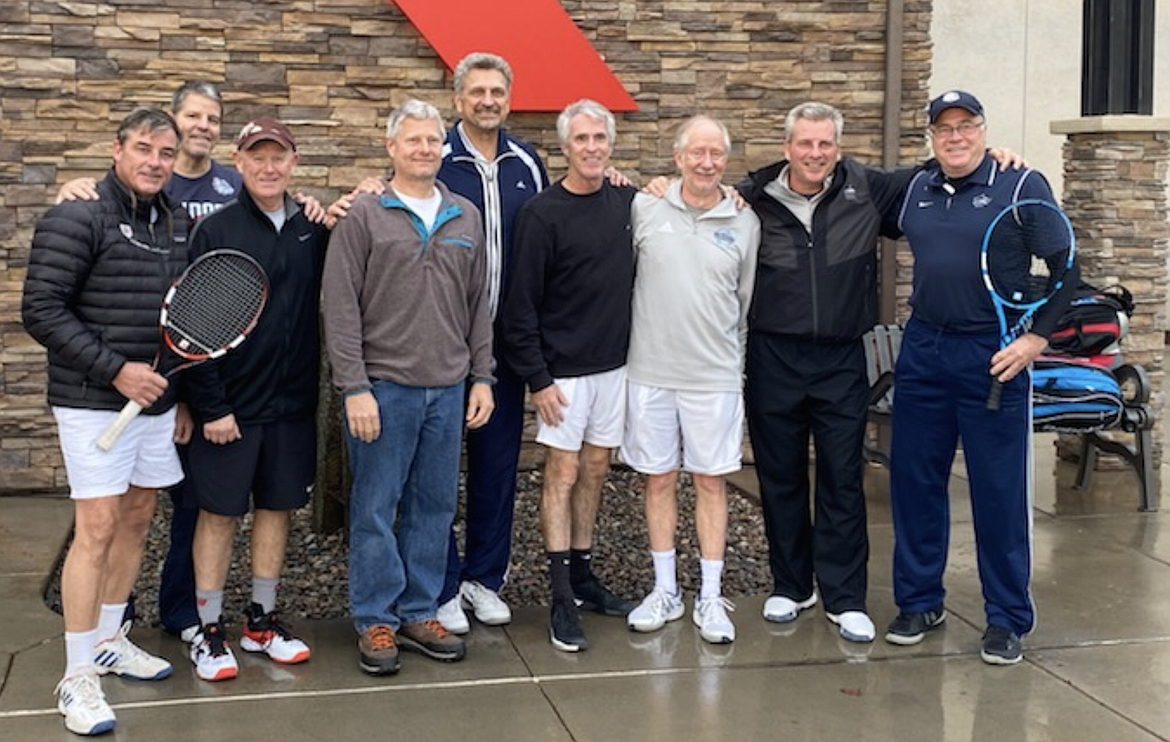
{"points": [[1001, 646], [910, 628], [378, 650], [430, 638]]}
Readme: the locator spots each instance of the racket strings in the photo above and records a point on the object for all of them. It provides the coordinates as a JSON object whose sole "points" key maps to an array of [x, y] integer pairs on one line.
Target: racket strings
{"points": [[215, 304], [1028, 253]]}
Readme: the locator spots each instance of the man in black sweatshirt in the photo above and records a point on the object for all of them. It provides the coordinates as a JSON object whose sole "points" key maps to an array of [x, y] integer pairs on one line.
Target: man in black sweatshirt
{"points": [[566, 325]]}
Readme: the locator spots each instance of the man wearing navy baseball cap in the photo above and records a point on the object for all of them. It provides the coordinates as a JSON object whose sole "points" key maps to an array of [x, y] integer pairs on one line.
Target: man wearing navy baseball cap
{"points": [[955, 99], [950, 350]]}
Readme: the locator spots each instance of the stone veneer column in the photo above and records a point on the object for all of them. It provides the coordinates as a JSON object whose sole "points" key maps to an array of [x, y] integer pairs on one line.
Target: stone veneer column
{"points": [[1115, 192]]}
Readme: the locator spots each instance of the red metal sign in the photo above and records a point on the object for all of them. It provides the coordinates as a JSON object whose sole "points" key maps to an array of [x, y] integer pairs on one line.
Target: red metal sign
{"points": [[553, 63]]}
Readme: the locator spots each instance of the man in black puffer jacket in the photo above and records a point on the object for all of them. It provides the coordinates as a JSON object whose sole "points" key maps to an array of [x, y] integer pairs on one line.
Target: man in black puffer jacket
{"points": [[96, 276]]}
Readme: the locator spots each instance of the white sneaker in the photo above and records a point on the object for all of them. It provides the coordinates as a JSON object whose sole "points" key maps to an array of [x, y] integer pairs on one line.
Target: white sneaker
{"points": [[452, 617], [485, 603], [710, 615], [779, 609], [266, 633], [211, 655], [853, 626], [188, 634], [655, 610], [122, 657], [80, 699]]}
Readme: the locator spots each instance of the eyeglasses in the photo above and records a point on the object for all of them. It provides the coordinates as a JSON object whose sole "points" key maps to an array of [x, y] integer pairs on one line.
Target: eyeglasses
{"points": [[965, 129], [698, 155]]}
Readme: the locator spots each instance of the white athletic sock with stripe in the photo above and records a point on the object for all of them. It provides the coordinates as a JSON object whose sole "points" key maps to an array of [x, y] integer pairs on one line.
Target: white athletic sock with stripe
{"points": [[665, 573], [712, 578], [110, 620], [79, 646]]}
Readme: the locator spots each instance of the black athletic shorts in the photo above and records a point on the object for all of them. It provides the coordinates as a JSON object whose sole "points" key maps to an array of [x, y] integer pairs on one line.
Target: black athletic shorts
{"points": [[274, 462]]}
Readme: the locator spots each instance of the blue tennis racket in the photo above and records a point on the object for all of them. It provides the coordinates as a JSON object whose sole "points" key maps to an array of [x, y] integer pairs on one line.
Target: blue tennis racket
{"points": [[1027, 251]]}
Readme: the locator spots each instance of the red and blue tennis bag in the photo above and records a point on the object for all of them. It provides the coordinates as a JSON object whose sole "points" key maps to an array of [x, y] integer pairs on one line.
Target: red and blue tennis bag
{"points": [[1094, 322], [1074, 396]]}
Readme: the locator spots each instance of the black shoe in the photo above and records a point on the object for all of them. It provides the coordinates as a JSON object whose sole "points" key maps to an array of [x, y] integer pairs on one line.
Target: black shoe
{"points": [[591, 595], [565, 631], [911, 628], [1001, 646]]}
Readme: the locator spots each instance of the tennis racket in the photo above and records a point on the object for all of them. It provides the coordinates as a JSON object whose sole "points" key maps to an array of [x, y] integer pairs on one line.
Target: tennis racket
{"points": [[1027, 251], [208, 311]]}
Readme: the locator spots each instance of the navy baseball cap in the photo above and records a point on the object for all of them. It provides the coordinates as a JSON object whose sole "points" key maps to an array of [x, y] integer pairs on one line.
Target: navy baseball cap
{"points": [[954, 99]]}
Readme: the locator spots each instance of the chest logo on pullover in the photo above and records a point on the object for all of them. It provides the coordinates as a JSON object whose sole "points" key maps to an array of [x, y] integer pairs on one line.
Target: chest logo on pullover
{"points": [[725, 237], [520, 186], [665, 228], [981, 201]]}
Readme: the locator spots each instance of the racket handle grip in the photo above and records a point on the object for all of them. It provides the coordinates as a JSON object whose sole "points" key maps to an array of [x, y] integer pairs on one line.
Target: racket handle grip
{"points": [[993, 395], [106, 440]]}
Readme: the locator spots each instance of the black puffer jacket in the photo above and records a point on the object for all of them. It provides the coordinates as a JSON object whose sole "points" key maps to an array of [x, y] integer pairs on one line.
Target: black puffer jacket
{"points": [[97, 274]]}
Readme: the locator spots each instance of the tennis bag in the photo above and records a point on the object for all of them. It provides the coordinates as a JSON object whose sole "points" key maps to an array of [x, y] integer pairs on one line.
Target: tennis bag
{"points": [[1070, 396], [1094, 323]]}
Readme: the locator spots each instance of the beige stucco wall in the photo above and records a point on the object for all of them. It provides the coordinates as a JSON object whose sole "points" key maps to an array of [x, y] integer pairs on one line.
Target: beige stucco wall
{"points": [[1022, 58]]}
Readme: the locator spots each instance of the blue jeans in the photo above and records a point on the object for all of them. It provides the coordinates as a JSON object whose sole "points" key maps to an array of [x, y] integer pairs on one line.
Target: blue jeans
{"points": [[405, 489]]}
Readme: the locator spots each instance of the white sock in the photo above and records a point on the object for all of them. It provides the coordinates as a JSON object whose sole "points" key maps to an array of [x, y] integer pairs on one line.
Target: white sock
{"points": [[110, 620], [664, 571], [79, 646], [712, 578]]}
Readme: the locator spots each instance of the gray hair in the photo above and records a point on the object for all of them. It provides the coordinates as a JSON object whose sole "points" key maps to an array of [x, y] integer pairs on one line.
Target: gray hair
{"points": [[150, 120], [481, 61], [413, 109], [683, 134], [590, 108], [196, 87], [814, 111]]}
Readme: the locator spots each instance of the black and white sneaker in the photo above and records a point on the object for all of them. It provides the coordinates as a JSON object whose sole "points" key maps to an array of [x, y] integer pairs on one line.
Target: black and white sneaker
{"points": [[591, 595], [565, 630], [910, 628], [1001, 646]]}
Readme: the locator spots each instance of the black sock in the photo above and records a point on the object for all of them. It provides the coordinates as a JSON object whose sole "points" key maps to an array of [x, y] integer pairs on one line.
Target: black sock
{"points": [[558, 574], [580, 561]]}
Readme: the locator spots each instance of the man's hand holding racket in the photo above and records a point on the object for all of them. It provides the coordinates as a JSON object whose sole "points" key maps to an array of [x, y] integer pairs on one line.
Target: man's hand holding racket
{"points": [[1017, 356], [209, 310], [140, 383], [1028, 252]]}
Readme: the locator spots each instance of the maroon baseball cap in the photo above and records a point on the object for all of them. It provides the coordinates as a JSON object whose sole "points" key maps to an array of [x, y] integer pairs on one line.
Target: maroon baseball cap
{"points": [[263, 129]]}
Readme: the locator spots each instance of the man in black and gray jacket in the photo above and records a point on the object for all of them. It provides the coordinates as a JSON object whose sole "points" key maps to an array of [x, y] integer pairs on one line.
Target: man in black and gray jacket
{"points": [[815, 297], [96, 276]]}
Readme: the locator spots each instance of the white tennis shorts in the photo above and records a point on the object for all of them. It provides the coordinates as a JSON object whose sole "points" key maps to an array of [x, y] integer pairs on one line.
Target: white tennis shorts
{"points": [[143, 456], [596, 413], [700, 431]]}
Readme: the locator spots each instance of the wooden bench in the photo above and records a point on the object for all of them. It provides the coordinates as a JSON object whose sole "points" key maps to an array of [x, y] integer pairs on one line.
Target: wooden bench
{"points": [[882, 344]]}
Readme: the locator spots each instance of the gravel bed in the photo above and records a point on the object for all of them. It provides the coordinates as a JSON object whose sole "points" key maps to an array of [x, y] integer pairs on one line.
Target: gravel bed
{"points": [[314, 584]]}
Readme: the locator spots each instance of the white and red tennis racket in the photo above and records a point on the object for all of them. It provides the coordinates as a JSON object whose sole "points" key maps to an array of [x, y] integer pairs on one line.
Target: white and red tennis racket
{"points": [[210, 309]]}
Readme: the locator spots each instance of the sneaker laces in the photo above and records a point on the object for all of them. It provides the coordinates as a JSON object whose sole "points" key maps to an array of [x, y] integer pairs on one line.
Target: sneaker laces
{"points": [[381, 637], [708, 605], [216, 642], [433, 625], [270, 623], [86, 692], [662, 600], [127, 649]]}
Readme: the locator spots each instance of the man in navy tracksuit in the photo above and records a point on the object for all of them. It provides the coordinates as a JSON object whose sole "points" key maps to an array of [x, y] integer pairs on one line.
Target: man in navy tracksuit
{"points": [[950, 350], [498, 174]]}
